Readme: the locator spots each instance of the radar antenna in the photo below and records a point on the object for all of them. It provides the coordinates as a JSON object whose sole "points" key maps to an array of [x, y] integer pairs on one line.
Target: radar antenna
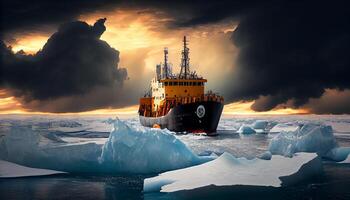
{"points": [[166, 65], [185, 61]]}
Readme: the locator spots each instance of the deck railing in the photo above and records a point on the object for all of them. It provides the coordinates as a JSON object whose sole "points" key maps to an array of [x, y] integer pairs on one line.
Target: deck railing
{"points": [[146, 109]]}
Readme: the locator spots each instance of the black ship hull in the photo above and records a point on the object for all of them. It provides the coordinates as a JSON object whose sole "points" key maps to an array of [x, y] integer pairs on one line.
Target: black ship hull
{"points": [[191, 117]]}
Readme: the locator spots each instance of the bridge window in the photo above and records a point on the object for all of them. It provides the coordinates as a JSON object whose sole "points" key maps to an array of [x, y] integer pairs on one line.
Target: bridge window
{"points": [[175, 83], [181, 83], [170, 83], [166, 83]]}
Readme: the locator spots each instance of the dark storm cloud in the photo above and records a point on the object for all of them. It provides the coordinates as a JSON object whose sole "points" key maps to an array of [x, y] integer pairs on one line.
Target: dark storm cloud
{"points": [[291, 51], [21, 15], [30, 15], [74, 61], [332, 102]]}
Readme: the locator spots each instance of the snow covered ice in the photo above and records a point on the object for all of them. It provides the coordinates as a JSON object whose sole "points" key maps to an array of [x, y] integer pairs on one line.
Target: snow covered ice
{"points": [[228, 170]]}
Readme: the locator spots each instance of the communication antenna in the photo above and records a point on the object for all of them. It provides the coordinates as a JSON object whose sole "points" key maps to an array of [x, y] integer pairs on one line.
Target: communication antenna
{"points": [[166, 65], [185, 61]]}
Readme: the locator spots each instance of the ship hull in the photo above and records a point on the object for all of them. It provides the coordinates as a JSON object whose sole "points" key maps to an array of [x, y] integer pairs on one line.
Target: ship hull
{"points": [[191, 117]]}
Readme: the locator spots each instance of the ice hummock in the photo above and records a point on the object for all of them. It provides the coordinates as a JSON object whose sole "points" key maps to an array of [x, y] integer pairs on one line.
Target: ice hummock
{"points": [[12, 170], [310, 137], [228, 170], [128, 149]]}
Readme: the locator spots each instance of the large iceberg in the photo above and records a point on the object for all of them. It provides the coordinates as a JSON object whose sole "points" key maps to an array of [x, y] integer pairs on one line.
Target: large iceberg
{"points": [[128, 149], [310, 137], [146, 151], [228, 170], [12, 170]]}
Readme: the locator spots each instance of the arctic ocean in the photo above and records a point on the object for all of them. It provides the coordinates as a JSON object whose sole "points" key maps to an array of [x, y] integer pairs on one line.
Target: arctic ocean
{"points": [[100, 157]]}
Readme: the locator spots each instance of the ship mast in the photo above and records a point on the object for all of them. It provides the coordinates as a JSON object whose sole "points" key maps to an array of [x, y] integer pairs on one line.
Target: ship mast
{"points": [[165, 68], [185, 61]]}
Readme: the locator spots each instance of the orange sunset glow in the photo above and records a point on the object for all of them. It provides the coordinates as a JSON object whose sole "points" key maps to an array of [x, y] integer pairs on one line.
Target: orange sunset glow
{"points": [[9, 105], [144, 35]]}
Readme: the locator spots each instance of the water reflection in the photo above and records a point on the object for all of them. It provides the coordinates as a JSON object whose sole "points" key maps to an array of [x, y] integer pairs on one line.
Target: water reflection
{"points": [[334, 184]]}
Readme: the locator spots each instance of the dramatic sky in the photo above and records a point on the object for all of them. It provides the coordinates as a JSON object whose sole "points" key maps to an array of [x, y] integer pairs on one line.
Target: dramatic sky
{"points": [[86, 55]]}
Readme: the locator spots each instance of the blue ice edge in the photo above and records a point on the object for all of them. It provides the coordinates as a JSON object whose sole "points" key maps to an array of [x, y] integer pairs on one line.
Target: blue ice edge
{"points": [[133, 150]]}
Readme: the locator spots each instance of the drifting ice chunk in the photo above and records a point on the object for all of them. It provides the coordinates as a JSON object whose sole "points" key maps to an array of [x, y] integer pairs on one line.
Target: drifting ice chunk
{"points": [[246, 130], [230, 171], [265, 156], [11, 170], [146, 151], [309, 138], [260, 124]]}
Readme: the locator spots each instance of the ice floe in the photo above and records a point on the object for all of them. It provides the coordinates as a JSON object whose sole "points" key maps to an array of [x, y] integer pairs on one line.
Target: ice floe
{"points": [[12, 170], [128, 149], [228, 170]]}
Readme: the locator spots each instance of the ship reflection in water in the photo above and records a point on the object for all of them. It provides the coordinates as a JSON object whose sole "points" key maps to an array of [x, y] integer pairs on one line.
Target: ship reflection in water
{"points": [[179, 102]]}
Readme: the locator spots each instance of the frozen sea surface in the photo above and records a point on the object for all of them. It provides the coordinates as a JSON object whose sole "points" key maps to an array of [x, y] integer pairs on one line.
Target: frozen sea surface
{"points": [[333, 184]]}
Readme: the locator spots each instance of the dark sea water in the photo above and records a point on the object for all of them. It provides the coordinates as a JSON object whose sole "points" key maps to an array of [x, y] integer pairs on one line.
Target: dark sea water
{"points": [[334, 183]]}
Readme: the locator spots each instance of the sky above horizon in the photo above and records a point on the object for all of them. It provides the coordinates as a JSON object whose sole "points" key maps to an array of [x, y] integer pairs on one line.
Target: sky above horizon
{"points": [[99, 56]]}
